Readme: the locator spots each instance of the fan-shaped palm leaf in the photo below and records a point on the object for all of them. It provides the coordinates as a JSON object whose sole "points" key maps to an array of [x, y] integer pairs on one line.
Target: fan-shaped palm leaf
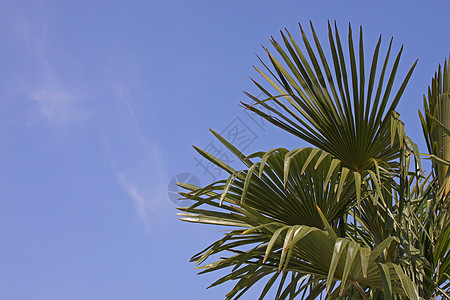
{"points": [[329, 104]]}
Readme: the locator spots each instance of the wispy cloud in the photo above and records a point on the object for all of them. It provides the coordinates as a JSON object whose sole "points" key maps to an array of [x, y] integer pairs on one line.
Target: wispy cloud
{"points": [[56, 104], [57, 98], [137, 163], [144, 186], [56, 101], [141, 203]]}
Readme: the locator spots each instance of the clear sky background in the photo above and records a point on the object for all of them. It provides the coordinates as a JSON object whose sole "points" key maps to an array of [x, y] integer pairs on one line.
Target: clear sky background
{"points": [[100, 102]]}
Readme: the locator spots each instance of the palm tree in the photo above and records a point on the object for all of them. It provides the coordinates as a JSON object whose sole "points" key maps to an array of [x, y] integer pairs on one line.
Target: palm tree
{"points": [[353, 216]]}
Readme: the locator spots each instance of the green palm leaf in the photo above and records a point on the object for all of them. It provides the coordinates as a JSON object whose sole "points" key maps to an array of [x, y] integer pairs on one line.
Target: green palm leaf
{"points": [[354, 217], [331, 107], [436, 123], [288, 220]]}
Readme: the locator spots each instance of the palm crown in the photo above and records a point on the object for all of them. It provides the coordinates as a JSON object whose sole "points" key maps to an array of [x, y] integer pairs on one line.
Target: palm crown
{"points": [[352, 216]]}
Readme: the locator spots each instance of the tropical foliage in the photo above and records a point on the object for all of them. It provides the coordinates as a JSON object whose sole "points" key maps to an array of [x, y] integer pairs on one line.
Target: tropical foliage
{"points": [[355, 215]]}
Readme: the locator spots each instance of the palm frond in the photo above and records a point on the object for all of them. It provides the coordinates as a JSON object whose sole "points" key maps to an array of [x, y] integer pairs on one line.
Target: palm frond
{"points": [[436, 123], [329, 104], [354, 217]]}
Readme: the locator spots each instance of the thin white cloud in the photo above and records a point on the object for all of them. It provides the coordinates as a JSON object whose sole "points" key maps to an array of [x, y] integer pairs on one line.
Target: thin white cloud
{"points": [[55, 104], [56, 101], [136, 162], [141, 203]]}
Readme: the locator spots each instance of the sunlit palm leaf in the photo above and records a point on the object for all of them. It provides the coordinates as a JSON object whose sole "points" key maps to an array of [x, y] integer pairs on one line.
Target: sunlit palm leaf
{"points": [[291, 207], [329, 104], [436, 123], [356, 216], [298, 250]]}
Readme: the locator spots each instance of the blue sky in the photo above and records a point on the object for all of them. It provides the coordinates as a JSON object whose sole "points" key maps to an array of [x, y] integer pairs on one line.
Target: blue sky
{"points": [[100, 104]]}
